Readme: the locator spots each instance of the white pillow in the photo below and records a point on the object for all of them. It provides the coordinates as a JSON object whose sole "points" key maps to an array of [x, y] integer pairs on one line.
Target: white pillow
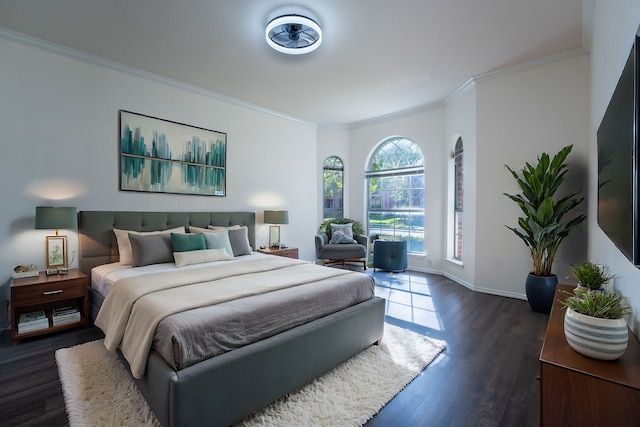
{"points": [[193, 229], [124, 245], [200, 256], [219, 227]]}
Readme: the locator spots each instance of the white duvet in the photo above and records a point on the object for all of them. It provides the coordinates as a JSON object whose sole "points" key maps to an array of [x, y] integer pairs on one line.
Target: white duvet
{"points": [[136, 304]]}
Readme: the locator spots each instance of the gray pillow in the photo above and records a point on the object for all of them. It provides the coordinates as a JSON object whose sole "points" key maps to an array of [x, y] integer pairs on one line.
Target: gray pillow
{"points": [[347, 229], [150, 249], [239, 239], [338, 237], [218, 240]]}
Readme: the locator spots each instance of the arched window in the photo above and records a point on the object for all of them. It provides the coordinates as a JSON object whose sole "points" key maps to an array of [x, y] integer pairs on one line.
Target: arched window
{"points": [[333, 176], [395, 192], [458, 192]]}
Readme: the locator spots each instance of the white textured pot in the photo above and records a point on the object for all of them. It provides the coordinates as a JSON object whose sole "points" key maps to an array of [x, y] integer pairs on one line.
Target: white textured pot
{"points": [[604, 339]]}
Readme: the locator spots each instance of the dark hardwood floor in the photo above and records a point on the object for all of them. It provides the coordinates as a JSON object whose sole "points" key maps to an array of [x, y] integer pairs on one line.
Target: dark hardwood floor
{"points": [[489, 373], [487, 376]]}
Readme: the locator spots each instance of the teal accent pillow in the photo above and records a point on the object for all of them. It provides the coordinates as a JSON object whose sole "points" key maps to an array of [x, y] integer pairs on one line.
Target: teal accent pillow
{"points": [[338, 237], [188, 242]]}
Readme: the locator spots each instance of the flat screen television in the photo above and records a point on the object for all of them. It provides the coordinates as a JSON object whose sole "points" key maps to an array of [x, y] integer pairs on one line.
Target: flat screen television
{"points": [[617, 136]]}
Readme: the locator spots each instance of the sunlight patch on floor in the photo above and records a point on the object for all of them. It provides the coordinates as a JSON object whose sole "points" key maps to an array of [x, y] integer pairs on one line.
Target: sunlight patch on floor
{"points": [[408, 298]]}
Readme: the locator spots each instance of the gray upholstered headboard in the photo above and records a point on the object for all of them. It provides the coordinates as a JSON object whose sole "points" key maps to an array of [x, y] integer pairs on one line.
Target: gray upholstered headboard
{"points": [[97, 242]]}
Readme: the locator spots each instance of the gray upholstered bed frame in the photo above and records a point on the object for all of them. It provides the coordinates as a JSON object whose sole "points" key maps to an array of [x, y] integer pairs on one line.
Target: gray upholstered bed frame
{"points": [[224, 389]]}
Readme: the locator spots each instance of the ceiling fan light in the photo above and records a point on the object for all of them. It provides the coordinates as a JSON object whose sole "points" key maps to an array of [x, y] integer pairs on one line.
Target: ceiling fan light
{"points": [[293, 34]]}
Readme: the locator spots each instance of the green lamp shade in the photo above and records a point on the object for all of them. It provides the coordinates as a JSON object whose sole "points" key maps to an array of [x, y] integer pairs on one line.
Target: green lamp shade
{"points": [[276, 217], [53, 218]]}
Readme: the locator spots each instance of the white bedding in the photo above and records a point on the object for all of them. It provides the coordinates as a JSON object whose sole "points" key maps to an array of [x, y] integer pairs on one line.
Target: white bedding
{"points": [[188, 337], [104, 276]]}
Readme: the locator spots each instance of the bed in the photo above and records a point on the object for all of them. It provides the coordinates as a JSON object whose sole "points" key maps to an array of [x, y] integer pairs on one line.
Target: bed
{"points": [[229, 386]]}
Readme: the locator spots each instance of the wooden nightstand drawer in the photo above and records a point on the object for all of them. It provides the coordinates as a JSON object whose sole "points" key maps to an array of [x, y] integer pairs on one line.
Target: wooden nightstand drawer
{"points": [[285, 252], [46, 292], [289, 253]]}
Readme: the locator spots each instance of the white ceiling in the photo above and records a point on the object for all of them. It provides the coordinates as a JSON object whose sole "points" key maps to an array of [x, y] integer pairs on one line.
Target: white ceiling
{"points": [[378, 57]]}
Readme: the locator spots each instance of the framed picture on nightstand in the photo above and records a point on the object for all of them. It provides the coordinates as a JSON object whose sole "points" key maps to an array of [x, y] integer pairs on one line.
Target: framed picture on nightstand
{"points": [[56, 252]]}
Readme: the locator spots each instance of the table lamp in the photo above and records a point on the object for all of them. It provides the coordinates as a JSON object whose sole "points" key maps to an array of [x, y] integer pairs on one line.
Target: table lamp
{"points": [[54, 218], [275, 217]]}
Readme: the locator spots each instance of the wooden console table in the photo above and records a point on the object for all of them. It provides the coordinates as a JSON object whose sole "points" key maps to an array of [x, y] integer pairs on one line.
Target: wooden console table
{"points": [[576, 390]]}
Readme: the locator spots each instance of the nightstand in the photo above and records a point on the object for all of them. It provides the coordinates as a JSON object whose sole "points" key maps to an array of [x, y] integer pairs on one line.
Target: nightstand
{"points": [[285, 252], [47, 293]]}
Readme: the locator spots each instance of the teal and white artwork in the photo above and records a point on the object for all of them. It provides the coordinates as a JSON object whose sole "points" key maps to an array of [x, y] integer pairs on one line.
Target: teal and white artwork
{"points": [[162, 156]]}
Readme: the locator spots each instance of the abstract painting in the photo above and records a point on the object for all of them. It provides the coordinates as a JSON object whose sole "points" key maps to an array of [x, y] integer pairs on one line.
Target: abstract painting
{"points": [[162, 156]]}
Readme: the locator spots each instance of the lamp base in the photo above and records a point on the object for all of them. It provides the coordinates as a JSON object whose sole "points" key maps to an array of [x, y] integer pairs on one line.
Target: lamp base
{"points": [[274, 236]]}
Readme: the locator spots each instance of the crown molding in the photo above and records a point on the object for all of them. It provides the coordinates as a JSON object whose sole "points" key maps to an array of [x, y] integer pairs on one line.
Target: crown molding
{"points": [[87, 58], [398, 115], [546, 60], [471, 83], [78, 55], [468, 85]]}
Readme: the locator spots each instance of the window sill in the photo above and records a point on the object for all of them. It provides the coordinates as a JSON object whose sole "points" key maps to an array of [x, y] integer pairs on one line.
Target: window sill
{"points": [[454, 261]]}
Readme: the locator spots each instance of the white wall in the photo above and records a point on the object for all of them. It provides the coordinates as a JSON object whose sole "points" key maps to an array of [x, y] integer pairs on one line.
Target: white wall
{"points": [[425, 128], [59, 121], [508, 117], [460, 121], [614, 27], [520, 115]]}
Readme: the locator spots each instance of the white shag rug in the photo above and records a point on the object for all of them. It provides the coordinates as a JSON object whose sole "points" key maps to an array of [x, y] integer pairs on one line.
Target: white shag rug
{"points": [[99, 392]]}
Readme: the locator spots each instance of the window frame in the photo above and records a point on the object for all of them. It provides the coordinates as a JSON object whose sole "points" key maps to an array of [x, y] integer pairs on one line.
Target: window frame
{"points": [[403, 169], [336, 166], [458, 201]]}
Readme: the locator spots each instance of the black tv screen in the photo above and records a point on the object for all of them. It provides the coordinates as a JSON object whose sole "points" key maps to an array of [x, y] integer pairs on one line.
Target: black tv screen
{"points": [[618, 163]]}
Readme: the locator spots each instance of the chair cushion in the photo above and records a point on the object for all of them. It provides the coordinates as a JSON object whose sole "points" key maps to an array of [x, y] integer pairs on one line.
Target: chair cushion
{"points": [[342, 251]]}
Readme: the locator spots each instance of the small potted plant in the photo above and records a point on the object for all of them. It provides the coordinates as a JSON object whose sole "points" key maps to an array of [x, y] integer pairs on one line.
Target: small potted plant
{"points": [[591, 276], [594, 324]]}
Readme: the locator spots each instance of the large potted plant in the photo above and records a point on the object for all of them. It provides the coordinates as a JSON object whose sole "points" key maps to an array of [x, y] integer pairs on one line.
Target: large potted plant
{"points": [[594, 324], [544, 223]]}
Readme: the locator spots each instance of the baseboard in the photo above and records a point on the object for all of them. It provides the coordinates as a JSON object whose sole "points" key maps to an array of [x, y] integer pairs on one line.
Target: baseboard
{"points": [[471, 287]]}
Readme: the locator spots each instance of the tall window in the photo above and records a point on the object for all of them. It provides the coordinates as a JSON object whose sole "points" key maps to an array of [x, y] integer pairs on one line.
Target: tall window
{"points": [[333, 175], [458, 179], [395, 197]]}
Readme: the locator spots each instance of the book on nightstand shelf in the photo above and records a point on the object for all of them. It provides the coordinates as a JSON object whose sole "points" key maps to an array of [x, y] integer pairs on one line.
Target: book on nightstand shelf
{"points": [[62, 315], [29, 322]]}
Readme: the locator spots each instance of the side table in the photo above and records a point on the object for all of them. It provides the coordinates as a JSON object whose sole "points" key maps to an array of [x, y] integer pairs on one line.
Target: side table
{"points": [[47, 293]]}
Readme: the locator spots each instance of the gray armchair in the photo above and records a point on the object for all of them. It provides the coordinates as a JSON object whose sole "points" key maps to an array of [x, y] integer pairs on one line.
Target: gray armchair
{"points": [[341, 253]]}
